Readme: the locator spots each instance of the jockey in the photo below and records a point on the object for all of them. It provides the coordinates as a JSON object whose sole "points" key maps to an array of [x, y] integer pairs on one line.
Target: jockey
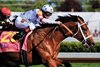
{"points": [[33, 18], [5, 13]]}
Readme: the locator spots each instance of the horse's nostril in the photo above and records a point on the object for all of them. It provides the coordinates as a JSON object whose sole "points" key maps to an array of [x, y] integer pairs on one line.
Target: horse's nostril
{"points": [[83, 42], [93, 43]]}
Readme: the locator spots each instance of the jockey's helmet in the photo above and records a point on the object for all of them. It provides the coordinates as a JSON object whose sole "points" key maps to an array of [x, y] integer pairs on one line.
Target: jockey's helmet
{"points": [[47, 10], [6, 13]]}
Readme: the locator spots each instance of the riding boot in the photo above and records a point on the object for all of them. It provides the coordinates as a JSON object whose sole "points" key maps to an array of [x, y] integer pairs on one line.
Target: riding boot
{"points": [[20, 35], [23, 53]]}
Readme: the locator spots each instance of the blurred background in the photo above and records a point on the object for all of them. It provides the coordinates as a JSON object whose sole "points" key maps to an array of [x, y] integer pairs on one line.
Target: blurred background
{"points": [[59, 5]]}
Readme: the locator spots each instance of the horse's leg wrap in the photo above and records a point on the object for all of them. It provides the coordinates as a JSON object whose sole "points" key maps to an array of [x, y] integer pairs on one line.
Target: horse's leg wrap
{"points": [[50, 62]]}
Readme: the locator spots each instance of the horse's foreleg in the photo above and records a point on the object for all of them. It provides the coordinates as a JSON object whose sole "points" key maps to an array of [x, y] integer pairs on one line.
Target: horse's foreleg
{"points": [[50, 62], [47, 59], [59, 62], [63, 63], [29, 56]]}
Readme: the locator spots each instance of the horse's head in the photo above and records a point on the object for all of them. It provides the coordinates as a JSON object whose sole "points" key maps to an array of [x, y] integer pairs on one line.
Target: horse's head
{"points": [[79, 29], [84, 33]]}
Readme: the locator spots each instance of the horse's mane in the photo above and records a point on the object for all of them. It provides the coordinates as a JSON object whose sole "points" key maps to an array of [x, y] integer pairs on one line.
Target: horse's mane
{"points": [[69, 18], [63, 19], [46, 25]]}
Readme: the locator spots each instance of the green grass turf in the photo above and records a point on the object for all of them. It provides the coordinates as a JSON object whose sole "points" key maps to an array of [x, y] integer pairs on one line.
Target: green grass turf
{"points": [[75, 65], [85, 64]]}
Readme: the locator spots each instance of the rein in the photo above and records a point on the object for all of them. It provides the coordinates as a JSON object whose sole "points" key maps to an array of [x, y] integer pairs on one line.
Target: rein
{"points": [[42, 39], [66, 28]]}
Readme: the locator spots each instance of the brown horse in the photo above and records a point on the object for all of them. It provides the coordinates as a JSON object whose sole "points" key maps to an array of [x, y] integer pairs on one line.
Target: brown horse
{"points": [[44, 43]]}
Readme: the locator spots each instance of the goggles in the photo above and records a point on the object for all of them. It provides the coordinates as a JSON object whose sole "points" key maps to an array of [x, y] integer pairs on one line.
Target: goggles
{"points": [[47, 13]]}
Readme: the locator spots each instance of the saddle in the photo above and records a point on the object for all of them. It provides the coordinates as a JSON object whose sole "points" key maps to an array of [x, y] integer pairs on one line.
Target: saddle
{"points": [[8, 43]]}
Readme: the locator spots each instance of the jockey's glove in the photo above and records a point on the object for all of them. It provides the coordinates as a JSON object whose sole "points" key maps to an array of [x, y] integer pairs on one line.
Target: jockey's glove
{"points": [[58, 22]]}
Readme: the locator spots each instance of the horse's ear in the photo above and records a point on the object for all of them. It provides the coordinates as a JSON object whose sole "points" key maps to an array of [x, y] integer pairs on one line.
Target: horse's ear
{"points": [[70, 15], [80, 18]]}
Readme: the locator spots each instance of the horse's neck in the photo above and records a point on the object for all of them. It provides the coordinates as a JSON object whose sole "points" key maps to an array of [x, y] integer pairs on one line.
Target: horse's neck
{"points": [[51, 32], [57, 35]]}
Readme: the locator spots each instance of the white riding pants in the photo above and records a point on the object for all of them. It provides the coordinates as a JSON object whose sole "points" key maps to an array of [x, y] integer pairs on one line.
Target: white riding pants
{"points": [[25, 24]]}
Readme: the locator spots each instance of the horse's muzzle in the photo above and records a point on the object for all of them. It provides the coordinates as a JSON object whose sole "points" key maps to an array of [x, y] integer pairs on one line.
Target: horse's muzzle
{"points": [[87, 45]]}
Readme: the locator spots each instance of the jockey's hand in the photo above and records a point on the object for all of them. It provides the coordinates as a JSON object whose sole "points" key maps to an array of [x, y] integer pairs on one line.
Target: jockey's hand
{"points": [[58, 22], [11, 23]]}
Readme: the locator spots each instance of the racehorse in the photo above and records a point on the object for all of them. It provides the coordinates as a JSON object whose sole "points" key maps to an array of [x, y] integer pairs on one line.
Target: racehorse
{"points": [[43, 44]]}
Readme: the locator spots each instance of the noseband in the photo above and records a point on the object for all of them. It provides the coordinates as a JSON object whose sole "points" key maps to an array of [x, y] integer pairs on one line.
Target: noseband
{"points": [[79, 28]]}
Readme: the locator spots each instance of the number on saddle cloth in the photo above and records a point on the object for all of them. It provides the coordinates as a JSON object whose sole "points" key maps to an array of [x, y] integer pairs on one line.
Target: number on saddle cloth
{"points": [[7, 43]]}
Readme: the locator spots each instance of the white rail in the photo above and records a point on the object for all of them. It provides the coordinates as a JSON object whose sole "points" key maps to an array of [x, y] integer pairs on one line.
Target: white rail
{"points": [[96, 39], [80, 57]]}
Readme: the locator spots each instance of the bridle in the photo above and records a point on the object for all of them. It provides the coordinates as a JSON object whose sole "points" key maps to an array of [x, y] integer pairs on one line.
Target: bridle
{"points": [[79, 28]]}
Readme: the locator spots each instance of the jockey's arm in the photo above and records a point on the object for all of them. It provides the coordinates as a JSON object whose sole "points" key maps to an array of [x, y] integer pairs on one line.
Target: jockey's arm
{"points": [[46, 21]]}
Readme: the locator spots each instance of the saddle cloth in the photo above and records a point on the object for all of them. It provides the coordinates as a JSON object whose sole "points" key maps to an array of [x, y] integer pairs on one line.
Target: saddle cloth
{"points": [[8, 44]]}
